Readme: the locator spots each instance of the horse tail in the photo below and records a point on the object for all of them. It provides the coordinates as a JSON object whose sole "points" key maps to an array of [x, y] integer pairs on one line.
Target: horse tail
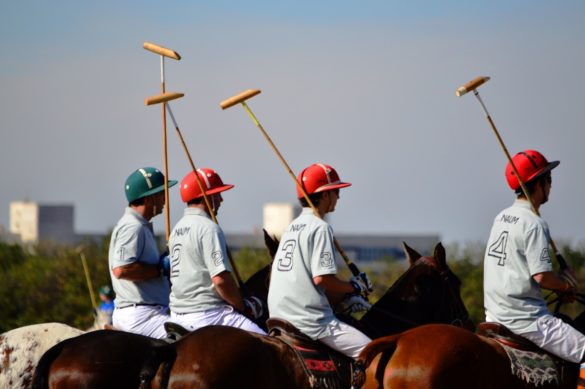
{"points": [[40, 378], [386, 345], [160, 355]]}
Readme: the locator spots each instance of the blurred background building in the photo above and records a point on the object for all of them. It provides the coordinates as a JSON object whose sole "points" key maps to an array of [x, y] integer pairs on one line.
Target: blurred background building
{"points": [[31, 222]]}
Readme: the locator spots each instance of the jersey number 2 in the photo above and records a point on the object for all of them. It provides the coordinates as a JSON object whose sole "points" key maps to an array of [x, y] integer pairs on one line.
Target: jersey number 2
{"points": [[498, 248], [175, 259]]}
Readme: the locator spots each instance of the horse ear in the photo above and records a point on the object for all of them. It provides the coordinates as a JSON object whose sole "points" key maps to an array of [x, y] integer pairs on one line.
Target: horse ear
{"points": [[271, 243], [440, 255], [411, 254]]}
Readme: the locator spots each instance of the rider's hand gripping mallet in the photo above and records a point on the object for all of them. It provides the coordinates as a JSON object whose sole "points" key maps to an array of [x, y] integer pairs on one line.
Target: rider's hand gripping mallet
{"points": [[164, 99], [241, 99], [164, 52], [472, 86]]}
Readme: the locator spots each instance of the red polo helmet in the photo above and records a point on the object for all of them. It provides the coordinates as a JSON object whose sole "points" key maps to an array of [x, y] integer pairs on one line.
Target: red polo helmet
{"points": [[211, 181], [530, 165], [319, 177]]}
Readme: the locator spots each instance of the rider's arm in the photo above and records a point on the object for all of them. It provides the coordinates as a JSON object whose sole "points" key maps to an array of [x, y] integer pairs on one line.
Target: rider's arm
{"points": [[549, 280], [136, 271], [226, 288], [334, 288], [129, 245]]}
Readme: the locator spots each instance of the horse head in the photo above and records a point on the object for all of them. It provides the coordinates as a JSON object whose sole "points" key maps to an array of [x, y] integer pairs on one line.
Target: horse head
{"points": [[271, 243], [257, 284], [428, 292]]}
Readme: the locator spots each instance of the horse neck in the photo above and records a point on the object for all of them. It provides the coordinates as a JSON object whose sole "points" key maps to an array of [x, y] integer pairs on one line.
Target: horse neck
{"points": [[404, 306], [257, 284]]}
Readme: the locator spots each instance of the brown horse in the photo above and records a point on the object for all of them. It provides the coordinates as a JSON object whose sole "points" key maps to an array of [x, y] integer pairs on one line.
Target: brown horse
{"points": [[100, 359], [428, 292], [225, 357], [439, 356], [228, 357]]}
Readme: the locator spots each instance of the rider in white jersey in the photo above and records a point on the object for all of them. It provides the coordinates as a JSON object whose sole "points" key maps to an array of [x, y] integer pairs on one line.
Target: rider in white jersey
{"points": [[136, 266], [203, 290], [517, 264], [303, 279]]}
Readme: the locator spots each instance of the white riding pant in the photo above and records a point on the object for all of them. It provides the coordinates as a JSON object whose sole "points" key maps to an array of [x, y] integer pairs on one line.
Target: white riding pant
{"points": [[224, 315], [346, 339], [145, 320], [558, 338]]}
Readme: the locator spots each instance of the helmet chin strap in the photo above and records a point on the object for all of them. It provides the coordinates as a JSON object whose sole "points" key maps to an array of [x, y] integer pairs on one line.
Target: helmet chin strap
{"points": [[544, 195], [213, 208]]}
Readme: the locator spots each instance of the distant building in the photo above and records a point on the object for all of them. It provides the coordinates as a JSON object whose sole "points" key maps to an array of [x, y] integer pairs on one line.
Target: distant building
{"points": [[277, 217], [35, 222]]}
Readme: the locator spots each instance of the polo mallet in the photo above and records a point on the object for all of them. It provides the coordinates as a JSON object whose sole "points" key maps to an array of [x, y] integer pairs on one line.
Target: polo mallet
{"points": [[472, 86], [241, 99], [241, 284], [79, 250], [164, 52]]}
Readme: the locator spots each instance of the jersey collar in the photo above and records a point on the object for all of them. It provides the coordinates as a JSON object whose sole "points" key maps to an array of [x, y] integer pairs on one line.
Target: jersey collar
{"points": [[521, 203], [196, 212]]}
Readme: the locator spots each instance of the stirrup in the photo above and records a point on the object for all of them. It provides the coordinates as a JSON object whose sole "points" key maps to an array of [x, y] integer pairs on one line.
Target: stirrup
{"points": [[358, 374]]}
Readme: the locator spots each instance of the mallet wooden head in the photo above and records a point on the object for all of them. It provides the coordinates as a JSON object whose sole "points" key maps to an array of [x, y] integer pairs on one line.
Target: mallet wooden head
{"points": [[161, 50], [471, 85], [165, 97], [239, 98]]}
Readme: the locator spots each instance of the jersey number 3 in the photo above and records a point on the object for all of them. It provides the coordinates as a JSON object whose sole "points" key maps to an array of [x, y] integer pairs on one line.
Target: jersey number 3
{"points": [[285, 262], [498, 248]]}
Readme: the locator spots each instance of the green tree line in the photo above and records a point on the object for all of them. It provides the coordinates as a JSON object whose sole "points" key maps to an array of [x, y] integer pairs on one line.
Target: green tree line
{"points": [[46, 282]]}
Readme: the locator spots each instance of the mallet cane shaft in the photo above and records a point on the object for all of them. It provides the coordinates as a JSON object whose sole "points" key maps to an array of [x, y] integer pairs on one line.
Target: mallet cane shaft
{"points": [[472, 86], [241, 99], [241, 284], [164, 52], [87, 278]]}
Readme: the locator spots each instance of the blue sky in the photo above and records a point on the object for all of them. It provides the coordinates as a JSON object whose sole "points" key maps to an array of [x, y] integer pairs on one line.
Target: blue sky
{"points": [[365, 86]]}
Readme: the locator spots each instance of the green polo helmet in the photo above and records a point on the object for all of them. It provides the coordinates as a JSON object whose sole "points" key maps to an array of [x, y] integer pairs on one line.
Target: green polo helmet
{"points": [[144, 182]]}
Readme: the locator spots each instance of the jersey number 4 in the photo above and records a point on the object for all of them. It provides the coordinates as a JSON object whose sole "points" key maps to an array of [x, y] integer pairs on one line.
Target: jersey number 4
{"points": [[498, 248]]}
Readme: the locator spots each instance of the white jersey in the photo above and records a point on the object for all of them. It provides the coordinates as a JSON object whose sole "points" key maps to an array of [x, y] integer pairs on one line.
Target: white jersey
{"points": [[133, 241], [518, 248], [198, 253], [305, 251]]}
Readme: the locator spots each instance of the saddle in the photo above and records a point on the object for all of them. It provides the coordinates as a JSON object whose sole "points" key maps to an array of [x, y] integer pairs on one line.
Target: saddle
{"points": [[325, 367], [528, 361], [503, 335]]}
